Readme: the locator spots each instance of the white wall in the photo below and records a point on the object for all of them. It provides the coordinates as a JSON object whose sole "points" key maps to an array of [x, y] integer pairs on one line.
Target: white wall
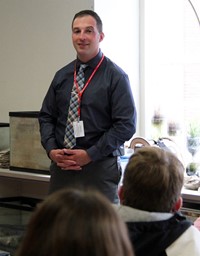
{"points": [[35, 41]]}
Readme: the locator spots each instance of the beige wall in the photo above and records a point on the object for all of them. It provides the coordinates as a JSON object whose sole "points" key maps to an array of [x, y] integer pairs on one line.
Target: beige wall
{"points": [[35, 41]]}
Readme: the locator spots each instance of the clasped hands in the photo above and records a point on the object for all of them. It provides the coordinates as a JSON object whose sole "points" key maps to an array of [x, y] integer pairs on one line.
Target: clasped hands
{"points": [[70, 159]]}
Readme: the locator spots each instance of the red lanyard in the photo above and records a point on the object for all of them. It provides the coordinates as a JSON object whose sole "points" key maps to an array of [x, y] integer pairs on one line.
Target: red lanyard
{"points": [[80, 93]]}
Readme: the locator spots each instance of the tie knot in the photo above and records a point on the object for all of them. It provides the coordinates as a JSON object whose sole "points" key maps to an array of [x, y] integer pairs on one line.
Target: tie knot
{"points": [[82, 67]]}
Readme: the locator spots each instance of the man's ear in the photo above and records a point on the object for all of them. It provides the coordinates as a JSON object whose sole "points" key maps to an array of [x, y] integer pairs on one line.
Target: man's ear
{"points": [[121, 194], [101, 36], [178, 205]]}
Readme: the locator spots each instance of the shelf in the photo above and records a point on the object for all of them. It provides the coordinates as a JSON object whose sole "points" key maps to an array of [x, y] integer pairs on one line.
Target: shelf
{"points": [[24, 175]]}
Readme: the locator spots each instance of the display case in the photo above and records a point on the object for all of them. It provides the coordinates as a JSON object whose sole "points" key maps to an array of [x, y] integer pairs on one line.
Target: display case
{"points": [[15, 213], [4, 136], [4, 145], [26, 151]]}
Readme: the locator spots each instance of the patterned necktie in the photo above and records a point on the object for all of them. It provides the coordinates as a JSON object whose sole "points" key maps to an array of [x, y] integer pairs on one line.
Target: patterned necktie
{"points": [[70, 140]]}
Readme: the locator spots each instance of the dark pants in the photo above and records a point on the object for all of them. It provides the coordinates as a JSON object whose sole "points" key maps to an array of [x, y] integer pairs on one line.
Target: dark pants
{"points": [[103, 175]]}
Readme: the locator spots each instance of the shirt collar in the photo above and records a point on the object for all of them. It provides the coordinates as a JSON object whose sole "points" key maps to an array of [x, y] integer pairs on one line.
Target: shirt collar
{"points": [[93, 62], [129, 214]]}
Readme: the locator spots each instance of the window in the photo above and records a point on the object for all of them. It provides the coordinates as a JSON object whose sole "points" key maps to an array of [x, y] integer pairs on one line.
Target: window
{"points": [[170, 41], [157, 43]]}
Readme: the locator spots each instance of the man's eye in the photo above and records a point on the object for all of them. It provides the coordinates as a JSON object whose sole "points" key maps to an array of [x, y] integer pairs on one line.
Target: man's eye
{"points": [[76, 31], [89, 31]]}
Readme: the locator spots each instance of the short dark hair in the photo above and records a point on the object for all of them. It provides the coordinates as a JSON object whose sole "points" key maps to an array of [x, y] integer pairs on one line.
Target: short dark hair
{"points": [[90, 13], [153, 180]]}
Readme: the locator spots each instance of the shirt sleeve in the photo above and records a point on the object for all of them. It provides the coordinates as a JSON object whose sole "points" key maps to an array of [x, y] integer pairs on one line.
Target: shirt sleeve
{"points": [[47, 120], [123, 113]]}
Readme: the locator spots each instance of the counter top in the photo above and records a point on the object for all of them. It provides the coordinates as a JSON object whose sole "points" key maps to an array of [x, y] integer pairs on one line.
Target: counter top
{"points": [[24, 175], [192, 196]]}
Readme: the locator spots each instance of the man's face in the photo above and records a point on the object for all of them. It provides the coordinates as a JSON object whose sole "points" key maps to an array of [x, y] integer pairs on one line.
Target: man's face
{"points": [[86, 37]]}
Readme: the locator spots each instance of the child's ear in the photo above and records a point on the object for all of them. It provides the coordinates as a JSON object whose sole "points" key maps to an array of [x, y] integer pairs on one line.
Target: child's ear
{"points": [[178, 205], [121, 194]]}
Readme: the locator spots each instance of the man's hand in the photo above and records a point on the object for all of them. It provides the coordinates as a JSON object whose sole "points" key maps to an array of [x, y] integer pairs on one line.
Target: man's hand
{"points": [[59, 157], [70, 159], [80, 156]]}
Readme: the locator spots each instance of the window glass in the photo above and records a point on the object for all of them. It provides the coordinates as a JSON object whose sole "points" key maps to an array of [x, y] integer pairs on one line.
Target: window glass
{"points": [[171, 69]]}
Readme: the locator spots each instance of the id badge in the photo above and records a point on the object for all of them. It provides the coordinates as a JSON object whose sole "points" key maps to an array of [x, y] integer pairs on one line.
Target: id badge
{"points": [[78, 129]]}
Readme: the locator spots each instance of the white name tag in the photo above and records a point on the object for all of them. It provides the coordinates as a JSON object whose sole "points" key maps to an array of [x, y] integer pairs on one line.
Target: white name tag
{"points": [[78, 129]]}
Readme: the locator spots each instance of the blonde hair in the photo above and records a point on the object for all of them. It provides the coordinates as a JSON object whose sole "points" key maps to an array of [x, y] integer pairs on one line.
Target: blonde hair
{"points": [[74, 222]]}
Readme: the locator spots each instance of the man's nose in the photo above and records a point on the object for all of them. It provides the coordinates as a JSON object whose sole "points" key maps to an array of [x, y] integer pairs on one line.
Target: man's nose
{"points": [[82, 35]]}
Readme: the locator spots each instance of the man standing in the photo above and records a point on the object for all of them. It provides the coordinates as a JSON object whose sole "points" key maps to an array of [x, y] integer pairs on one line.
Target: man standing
{"points": [[87, 114]]}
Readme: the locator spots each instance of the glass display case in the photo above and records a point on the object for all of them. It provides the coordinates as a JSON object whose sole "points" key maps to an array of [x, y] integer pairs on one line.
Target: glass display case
{"points": [[26, 151], [15, 213]]}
